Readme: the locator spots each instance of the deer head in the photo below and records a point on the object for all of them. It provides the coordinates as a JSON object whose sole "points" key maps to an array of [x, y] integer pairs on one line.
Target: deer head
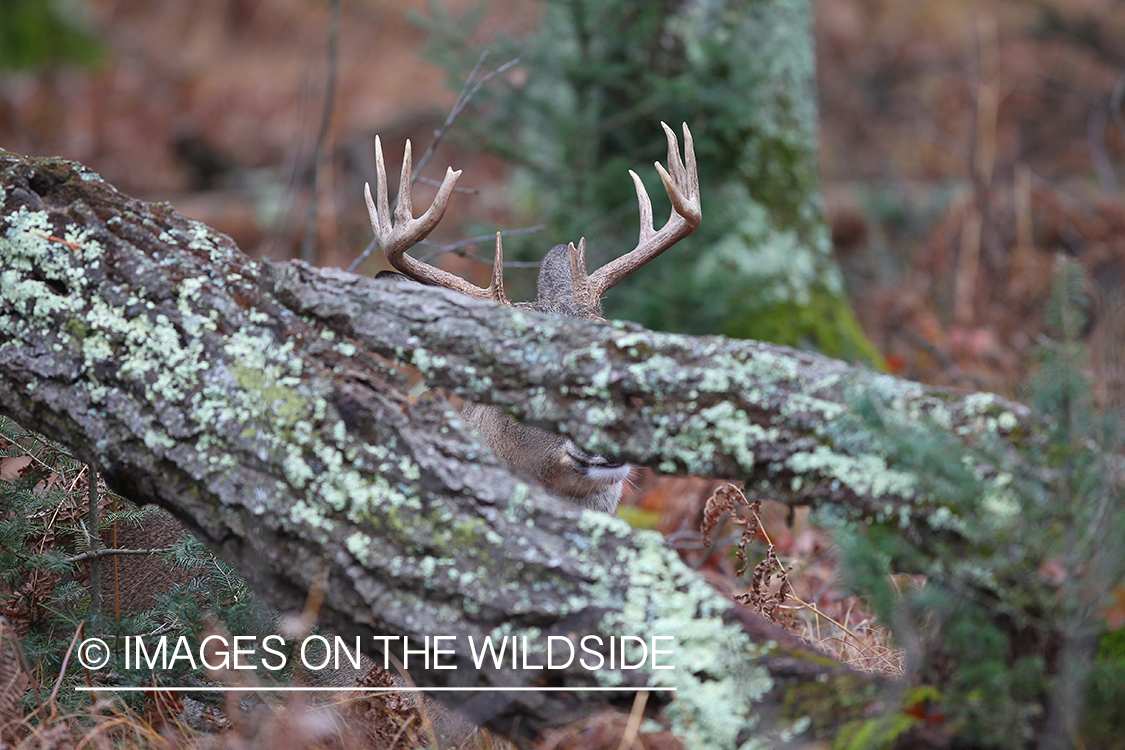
{"points": [[565, 288]]}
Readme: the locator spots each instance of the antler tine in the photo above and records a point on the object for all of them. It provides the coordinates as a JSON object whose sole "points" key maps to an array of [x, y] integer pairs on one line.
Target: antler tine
{"points": [[404, 212], [384, 215], [406, 231], [645, 206], [682, 186], [683, 176], [496, 288], [576, 257]]}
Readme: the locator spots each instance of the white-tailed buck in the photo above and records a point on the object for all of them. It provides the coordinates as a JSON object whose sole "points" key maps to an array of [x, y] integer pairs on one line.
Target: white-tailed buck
{"points": [[588, 479]]}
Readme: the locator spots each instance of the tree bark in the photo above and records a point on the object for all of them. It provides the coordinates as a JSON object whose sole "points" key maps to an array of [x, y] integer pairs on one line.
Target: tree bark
{"points": [[779, 418], [253, 401]]}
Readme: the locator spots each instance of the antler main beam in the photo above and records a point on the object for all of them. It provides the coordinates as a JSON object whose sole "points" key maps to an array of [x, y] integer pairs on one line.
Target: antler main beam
{"points": [[682, 186], [681, 182], [406, 231]]}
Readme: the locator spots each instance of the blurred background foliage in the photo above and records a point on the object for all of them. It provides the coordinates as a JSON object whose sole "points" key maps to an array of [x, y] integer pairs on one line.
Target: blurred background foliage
{"points": [[38, 33], [595, 80], [1006, 606], [965, 146]]}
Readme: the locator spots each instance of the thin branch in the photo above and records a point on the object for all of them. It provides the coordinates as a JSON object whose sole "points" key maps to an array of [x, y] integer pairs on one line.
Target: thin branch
{"points": [[95, 554], [634, 724], [438, 249], [1095, 138], [95, 537], [468, 91], [692, 539], [308, 244], [62, 670], [463, 98], [374, 243], [1115, 101], [462, 102], [435, 183]]}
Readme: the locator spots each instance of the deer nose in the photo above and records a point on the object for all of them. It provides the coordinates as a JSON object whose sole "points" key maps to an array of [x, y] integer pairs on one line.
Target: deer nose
{"points": [[586, 459]]}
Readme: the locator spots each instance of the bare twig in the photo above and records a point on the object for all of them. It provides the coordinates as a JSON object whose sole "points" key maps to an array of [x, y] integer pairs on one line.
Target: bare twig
{"points": [[308, 244], [116, 577], [635, 716], [1115, 101], [463, 100], [405, 725], [691, 539], [96, 554], [468, 91], [855, 641], [374, 243], [987, 101], [52, 238], [456, 248], [968, 261], [438, 248], [435, 183], [62, 670], [1095, 139], [95, 537]]}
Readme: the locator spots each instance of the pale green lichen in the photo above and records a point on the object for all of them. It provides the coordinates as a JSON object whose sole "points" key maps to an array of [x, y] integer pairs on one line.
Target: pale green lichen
{"points": [[978, 403], [719, 684], [427, 363], [772, 259], [799, 402], [866, 475], [735, 432], [1000, 506], [88, 174], [943, 519], [163, 359], [1007, 421], [715, 381]]}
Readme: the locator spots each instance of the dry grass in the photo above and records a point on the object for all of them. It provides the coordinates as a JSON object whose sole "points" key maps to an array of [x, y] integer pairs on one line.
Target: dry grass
{"points": [[242, 721]]}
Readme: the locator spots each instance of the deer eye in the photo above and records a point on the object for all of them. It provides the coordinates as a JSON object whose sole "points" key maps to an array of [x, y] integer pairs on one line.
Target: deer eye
{"points": [[586, 460]]}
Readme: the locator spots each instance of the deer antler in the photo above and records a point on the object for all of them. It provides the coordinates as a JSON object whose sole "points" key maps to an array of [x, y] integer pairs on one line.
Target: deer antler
{"points": [[407, 231], [682, 186]]}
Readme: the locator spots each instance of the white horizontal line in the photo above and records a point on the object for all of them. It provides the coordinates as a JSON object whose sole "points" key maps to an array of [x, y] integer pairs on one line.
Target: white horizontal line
{"points": [[291, 689]]}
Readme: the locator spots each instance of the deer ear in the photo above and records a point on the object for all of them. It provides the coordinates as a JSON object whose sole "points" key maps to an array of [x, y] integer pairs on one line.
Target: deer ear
{"points": [[397, 277], [554, 276]]}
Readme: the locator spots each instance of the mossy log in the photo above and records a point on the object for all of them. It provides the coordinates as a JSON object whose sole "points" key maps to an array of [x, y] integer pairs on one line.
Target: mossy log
{"points": [[253, 401]]}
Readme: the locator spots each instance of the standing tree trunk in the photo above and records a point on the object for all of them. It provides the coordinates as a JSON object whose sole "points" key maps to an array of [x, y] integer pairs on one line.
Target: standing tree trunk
{"points": [[743, 74]]}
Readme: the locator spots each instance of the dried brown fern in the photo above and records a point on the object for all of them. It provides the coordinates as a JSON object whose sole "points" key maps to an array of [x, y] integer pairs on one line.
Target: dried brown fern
{"points": [[730, 502], [13, 683]]}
